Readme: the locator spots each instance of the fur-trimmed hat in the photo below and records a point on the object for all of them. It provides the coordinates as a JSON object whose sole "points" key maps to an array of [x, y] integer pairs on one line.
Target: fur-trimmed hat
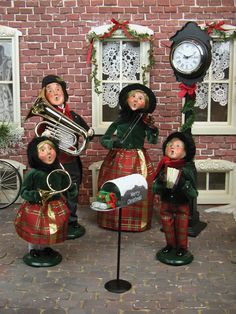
{"points": [[32, 154], [188, 141], [55, 79], [124, 93]]}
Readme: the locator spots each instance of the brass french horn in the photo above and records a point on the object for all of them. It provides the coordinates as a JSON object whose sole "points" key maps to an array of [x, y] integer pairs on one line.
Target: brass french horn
{"points": [[71, 137]]}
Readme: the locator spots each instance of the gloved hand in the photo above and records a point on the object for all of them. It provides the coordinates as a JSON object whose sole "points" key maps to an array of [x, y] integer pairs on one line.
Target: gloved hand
{"points": [[117, 144], [91, 132], [46, 133]]}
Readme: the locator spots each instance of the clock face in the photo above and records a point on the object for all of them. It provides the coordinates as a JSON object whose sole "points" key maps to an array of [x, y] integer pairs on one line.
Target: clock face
{"points": [[187, 57]]}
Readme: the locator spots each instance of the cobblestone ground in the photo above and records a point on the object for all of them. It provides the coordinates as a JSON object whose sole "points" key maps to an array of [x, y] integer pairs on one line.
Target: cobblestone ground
{"points": [[76, 285]]}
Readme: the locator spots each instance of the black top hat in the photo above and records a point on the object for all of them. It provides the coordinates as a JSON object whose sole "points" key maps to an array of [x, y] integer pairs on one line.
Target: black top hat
{"points": [[55, 79], [188, 141], [124, 93]]}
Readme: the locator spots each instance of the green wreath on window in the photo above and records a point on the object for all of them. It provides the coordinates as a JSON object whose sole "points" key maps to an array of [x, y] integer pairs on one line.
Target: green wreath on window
{"points": [[214, 29], [129, 33]]}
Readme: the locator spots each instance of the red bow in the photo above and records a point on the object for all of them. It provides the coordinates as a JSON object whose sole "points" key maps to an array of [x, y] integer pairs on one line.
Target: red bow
{"points": [[114, 28], [213, 26], [185, 89]]}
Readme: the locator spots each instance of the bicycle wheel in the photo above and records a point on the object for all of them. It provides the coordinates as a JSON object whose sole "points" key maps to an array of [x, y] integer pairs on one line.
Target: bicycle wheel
{"points": [[10, 184]]}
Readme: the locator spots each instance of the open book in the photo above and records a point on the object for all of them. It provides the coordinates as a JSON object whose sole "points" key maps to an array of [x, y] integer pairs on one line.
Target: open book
{"points": [[172, 176]]}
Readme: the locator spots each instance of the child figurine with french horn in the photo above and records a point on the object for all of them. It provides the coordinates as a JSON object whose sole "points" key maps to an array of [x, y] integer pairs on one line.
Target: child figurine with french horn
{"points": [[175, 183], [42, 219], [127, 155]]}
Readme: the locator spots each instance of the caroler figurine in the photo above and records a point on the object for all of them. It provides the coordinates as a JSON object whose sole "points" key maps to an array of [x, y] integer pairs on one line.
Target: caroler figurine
{"points": [[127, 155], [72, 133], [42, 219], [175, 182]]}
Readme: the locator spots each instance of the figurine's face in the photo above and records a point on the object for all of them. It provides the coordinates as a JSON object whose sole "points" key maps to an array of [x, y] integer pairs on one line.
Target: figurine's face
{"points": [[46, 153], [136, 100], [54, 94], [175, 149]]}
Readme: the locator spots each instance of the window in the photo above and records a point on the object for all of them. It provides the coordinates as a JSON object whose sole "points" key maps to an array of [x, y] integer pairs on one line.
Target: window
{"points": [[215, 106], [9, 75], [117, 60], [215, 181]]}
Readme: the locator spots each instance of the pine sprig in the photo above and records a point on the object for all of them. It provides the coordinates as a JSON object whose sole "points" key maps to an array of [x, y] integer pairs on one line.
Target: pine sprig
{"points": [[136, 36]]}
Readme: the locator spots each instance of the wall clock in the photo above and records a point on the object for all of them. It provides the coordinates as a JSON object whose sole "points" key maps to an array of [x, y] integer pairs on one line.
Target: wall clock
{"points": [[190, 54]]}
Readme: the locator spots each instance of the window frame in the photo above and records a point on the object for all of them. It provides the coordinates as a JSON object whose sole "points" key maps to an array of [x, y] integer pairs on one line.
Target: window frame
{"points": [[13, 35], [98, 124], [225, 196], [227, 128]]}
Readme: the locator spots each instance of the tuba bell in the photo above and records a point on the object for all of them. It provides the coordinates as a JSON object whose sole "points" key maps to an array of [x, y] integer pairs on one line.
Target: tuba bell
{"points": [[71, 137]]}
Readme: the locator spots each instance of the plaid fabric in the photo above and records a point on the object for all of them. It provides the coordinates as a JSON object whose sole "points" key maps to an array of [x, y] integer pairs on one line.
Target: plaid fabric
{"points": [[175, 227], [39, 224], [119, 163]]}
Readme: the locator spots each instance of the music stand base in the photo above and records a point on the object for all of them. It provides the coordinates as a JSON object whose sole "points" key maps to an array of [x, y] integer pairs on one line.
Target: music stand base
{"points": [[118, 286], [193, 231]]}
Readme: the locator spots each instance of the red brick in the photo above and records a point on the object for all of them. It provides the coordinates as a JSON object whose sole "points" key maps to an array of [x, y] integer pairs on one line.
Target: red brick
{"points": [[54, 41]]}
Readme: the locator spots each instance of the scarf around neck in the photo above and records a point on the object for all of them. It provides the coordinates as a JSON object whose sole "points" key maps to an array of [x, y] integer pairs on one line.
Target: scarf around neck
{"points": [[65, 110], [167, 162]]}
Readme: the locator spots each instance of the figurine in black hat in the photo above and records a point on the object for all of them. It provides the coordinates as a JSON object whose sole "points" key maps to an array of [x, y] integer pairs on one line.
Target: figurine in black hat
{"points": [[127, 155], [42, 219], [55, 91], [175, 182]]}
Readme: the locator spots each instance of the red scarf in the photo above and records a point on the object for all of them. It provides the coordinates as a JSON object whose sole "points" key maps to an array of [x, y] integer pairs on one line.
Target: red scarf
{"points": [[167, 162], [65, 110]]}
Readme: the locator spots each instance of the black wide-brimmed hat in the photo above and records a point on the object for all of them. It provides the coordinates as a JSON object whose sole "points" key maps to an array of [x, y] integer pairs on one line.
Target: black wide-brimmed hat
{"points": [[187, 139], [55, 79], [32, 154], [124, 93]]}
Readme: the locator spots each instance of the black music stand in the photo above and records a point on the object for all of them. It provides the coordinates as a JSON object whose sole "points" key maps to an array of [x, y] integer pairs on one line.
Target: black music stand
{"points": [[118, 285]]}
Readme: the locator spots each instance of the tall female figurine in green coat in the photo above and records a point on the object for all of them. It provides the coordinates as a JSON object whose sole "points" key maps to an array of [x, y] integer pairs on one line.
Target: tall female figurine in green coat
{"points": [[127, 155]]}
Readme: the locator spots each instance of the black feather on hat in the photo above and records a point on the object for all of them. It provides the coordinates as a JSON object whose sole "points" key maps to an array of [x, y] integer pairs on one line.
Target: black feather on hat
{"points": [[124, 93], [189, 144], [55, 79], [32, 154]]}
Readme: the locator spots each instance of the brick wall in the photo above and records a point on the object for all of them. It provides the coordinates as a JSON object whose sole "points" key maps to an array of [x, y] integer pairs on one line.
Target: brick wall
{"points": [[54, 34]]}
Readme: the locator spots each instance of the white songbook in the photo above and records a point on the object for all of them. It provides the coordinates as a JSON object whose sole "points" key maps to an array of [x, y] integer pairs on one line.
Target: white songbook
{"points": [[172, 177]]}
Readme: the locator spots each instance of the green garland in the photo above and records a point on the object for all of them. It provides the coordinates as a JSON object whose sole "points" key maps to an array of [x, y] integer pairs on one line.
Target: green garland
{"points": [[135, 35], [188, 111]]}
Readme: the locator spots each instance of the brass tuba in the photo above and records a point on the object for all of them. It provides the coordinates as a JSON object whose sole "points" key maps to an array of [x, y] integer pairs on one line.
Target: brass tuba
{"points": [[71, 137]]}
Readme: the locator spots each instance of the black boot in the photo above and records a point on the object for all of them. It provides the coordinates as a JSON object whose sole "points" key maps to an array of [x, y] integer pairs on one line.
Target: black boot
{"points": [[181, 252], [167, 249]]}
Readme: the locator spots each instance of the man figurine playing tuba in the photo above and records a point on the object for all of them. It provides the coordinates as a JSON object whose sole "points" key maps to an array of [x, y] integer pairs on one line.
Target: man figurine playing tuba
{"points": [[55, 93]]}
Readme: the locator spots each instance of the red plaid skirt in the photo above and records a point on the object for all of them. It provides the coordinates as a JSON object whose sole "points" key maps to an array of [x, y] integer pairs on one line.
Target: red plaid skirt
{"points": [[119, 163], [40, 224]]}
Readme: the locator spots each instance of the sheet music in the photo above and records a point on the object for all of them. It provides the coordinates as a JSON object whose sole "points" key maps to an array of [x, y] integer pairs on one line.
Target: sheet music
{"points": [[172, 177]]}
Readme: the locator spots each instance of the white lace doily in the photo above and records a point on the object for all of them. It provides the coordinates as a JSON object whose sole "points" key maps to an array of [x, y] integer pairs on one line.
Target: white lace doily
{"points": [[219, 66], [111, 94], [113, 70], [220, 59]]}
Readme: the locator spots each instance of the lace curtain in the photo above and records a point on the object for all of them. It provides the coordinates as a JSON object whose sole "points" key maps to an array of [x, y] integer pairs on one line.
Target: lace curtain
{"points": [[219, 72], [6, 99], [120, 64]]}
